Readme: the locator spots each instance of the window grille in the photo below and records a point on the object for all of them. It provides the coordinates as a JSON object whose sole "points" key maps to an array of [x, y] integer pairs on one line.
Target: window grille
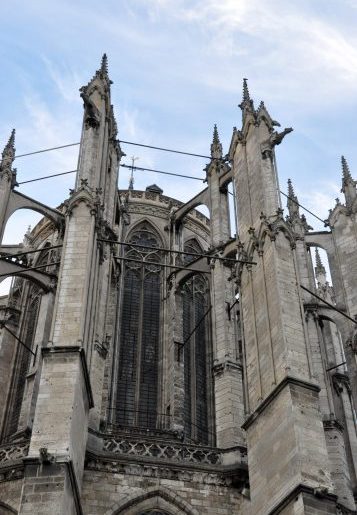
{"points": [[137, 387], [196, 355]]}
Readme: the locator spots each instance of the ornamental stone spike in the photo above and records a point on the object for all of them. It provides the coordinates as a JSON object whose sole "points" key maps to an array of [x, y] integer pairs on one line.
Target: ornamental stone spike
{"points": [[291, 191], [246, 96], [8, 154], [104, 64], [216, 146], [247, 102], [320, 269], [292, 202], [348, 184], [346, 174]]}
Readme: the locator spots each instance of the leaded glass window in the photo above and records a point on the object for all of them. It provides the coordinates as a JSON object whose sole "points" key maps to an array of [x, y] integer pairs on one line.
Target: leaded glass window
{"points": [[196, 352], [23, 359], [137, 385]]}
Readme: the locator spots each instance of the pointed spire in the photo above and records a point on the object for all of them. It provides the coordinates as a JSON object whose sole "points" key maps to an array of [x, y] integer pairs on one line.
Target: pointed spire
{"points": [[8, 154], [247, 102], [293, 205], [319, 269], [246, 96], [291, 191], [348, 184], [216, 146], [104, 64], [345, 170]]}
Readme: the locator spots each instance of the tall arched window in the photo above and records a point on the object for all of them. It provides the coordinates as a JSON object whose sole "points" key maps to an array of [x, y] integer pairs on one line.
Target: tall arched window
{"points": [[137, 384], [196, 352], [23, 359]]}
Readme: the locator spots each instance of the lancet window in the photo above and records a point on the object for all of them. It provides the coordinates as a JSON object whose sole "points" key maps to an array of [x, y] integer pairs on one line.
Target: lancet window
{"points": [[197, 353], [28, 324], [23, 359], [137, 383]]}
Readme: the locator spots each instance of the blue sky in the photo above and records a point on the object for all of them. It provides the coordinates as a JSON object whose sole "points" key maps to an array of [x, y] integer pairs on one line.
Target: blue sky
{"points": [[177, 68]]}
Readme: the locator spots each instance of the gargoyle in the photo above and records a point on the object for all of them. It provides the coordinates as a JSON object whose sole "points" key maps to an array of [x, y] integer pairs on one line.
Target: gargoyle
{"points": [[92, 115], [275, 138]]}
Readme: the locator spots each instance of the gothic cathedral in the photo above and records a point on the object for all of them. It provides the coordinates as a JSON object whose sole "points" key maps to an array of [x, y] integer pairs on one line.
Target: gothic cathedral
{"points": [[152, 364]]}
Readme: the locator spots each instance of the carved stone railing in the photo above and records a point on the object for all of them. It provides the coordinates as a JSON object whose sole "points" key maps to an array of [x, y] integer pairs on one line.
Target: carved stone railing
{"points": [[162, 450], [13, 451]]}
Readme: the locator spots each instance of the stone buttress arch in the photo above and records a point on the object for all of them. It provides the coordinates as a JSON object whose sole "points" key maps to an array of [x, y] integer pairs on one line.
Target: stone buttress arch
{"points": [[20, 201], [200, 199]]}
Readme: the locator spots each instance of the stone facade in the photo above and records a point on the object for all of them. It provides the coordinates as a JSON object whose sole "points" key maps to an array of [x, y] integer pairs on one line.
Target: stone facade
{"points": [[153, 364]]}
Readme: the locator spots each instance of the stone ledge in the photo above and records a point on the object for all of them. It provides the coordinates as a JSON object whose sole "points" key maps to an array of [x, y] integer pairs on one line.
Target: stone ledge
{"points": [[68, 349], [303, 489], [288, 380]]}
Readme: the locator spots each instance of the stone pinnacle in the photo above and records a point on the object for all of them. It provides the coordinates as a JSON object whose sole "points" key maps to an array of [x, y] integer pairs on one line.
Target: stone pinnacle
{"points": [[345, 169], [104, 64], [291, 191], [246, 96], [320, 269], [216, 147], [9, 149]]}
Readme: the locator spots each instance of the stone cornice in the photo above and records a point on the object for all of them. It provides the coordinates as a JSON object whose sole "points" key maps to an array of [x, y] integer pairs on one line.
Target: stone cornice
{"points": [[288, 380], [222, 475]]}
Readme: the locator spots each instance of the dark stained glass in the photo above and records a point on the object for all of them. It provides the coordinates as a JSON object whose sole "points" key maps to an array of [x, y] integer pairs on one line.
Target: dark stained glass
{"points": [[195, 304], [136, 400]]}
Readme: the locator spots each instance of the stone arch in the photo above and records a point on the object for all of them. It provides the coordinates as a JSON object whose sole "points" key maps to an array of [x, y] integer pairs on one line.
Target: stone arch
{"points": [[191, 244], [326, 313], [161, 498], [151, 224], [198, 200], [225, 179], [5, 508], [199, 266], [42, 279], [20, 201]]}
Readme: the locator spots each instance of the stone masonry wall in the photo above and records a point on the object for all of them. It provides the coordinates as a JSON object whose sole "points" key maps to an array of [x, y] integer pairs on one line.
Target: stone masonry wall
{"points": [[103, 493]]}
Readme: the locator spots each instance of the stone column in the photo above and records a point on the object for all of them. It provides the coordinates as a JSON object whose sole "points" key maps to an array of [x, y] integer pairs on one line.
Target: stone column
{"points": [[175, 362]]}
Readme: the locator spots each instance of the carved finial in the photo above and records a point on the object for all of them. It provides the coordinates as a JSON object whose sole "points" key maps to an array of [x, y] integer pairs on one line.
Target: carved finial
{"points": [[345, 170], [348, 184], [247, 102], [216, 147], [7, 159], [291, 191], [104, 64], [8, 154], [319, 269], [246, 95], [293, 205]]}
